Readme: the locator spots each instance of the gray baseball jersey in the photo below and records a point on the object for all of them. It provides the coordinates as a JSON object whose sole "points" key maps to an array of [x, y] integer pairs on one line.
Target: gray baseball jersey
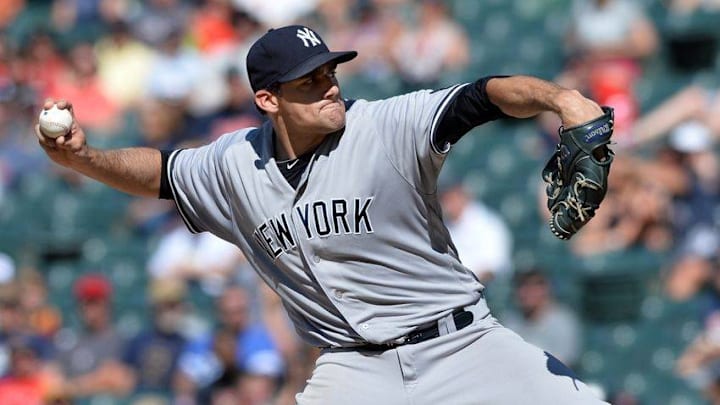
{"points": [[358, 251]]}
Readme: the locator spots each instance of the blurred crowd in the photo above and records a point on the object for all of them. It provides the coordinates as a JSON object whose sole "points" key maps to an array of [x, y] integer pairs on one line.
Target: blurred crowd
{"points": [[171, 74]]}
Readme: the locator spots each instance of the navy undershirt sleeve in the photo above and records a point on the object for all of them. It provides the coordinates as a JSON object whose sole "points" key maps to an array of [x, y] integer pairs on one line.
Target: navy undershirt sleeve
{"points": [[470, 108], [165, 191]]}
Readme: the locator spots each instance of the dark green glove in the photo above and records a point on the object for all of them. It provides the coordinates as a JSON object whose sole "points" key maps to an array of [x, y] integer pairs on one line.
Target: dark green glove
{"points": [[577, 174]]}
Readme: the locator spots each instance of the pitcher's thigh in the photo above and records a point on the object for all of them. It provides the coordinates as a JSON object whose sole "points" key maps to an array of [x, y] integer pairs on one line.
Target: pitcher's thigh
{"points": [[501, 368], [355, 378]]}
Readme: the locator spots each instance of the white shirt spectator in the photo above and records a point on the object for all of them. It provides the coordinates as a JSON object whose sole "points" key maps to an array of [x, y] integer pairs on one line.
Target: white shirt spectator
{"points": [[203, 256], [276, 12], [602, 25], [7, 268], [482, 239]]}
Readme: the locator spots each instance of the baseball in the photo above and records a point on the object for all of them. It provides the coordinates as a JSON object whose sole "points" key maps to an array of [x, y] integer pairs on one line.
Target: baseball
{"points": [[55, 122]]}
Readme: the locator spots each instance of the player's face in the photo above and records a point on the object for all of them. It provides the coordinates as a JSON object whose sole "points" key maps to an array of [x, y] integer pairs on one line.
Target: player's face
{"points": [[312, 103]]}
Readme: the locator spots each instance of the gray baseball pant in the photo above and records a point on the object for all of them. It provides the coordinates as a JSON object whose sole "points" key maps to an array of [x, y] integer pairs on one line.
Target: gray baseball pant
{"points": [[484, 363]]}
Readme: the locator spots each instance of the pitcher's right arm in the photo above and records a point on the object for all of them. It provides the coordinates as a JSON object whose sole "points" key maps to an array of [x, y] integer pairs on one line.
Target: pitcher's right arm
{"points": [[135, 171]]}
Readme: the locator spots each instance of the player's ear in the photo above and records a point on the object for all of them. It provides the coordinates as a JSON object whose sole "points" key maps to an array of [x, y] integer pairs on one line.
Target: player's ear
{"points": [[266, 101]]}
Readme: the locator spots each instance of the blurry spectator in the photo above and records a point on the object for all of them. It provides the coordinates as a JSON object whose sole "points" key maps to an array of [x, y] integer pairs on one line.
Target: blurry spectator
{"points": [[123, 66], [161, 123], [14, 325], [149, 217], [258, 386], [8, 53], [277, 12], [225, 388], [20, 82], [221, 77], [610, 29], [17, 157], [203, 368], [481, 237], [691, 105], [198, 257], [80, 18], [299, 357], [606, 42], [7, 268], [9, 11], [237, 111], [89, 357], [690, 6], [29, 381], [695, 206], [694, 268], [697, 228], [42, 63], [175, 71], [361, 25], [44, 319], [635, 212], [699, 364], [158, 19], [212, 25], [153, 354], [80, 83], [337, 21], [541, 320], [430, 47]]}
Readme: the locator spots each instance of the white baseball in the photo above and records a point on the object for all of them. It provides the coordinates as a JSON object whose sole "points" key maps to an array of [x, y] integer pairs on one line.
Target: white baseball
{"points": [[55, 122]]}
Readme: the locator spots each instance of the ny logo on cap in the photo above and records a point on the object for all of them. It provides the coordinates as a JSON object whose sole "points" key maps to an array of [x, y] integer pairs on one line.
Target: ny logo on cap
{"points": [[308, 37]]}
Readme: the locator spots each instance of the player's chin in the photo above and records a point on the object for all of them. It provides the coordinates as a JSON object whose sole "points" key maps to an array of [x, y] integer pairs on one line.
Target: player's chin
{"points": [[333, 118]]}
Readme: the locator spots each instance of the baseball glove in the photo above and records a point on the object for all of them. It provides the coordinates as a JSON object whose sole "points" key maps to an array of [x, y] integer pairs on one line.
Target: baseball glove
{"points": [[577, 174]]}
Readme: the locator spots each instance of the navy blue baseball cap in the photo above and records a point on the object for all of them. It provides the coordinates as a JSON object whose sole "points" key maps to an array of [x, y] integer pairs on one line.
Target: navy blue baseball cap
{"points": [[288, 53]]}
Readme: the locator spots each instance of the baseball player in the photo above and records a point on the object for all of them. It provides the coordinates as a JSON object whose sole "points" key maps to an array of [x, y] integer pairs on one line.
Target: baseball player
{"points": [[333, 201]]}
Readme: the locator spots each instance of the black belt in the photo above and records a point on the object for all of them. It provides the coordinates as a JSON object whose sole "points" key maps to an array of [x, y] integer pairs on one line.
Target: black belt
{"points": [[460, 316]]}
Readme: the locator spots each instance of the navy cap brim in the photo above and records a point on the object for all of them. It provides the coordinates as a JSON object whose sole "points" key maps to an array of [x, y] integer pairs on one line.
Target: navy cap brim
{"points": [[315, 62]]}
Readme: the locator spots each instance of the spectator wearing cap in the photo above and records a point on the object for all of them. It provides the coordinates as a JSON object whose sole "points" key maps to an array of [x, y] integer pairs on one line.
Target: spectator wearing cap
{"points": [[693, 142], [153, 354], [696, 226], [89, 356], [255, 362]]}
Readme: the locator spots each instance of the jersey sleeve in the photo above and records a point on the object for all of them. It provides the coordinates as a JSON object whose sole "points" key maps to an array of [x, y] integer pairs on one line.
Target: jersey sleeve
{"points": [[469, 108], [407, 125], [195, 177]]}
